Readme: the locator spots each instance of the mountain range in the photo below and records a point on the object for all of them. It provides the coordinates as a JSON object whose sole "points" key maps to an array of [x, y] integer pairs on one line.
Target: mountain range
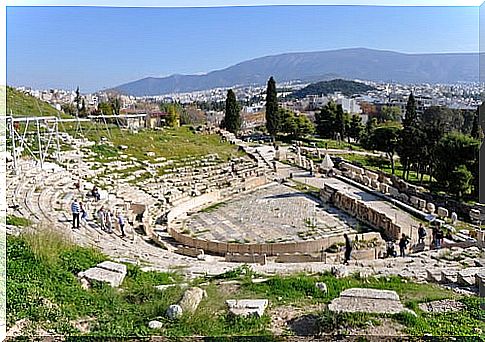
{"points": [[356, 63]]}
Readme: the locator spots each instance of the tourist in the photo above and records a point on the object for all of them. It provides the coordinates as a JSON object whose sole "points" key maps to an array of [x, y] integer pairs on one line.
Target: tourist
{"points": [[84, 214], [348, 249], [75, 209], [101, 218], [108, 221], [439, 238], [403, 244], [121, 223], [421, 233], [95, 194], [390, 250], [434, 232], [77, 185]]}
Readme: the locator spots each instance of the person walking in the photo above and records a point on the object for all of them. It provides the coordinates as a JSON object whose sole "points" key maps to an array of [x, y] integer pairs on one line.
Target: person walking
{"points": [[403, 244], [121, 223], [439, 238], [348, 249], [421, 233], [101, 218], [75, 210], [84, 214], [108, 221]]}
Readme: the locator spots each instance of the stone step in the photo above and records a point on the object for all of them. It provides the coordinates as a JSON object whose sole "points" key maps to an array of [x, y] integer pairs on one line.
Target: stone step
{"points": [[449, 276], [466, 277]]}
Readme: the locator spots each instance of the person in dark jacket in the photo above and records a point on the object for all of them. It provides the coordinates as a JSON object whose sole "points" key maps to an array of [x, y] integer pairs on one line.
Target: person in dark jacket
{"points": [[403, 244], [348, 249], [421, 233]]}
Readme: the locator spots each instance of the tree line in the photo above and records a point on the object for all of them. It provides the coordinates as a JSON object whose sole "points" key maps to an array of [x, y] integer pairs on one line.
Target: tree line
{"points": [[440, 142]]}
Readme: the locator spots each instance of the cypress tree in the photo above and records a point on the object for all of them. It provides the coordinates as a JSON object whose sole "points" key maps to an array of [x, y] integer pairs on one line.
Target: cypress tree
{"points": [[272, 114], [408, 148], [232, 118], [477, 131]]}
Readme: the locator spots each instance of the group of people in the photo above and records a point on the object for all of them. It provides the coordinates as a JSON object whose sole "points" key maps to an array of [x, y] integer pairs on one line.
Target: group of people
{"points": [[104, 217], [390, 250], [78, 212], [105, 220]]}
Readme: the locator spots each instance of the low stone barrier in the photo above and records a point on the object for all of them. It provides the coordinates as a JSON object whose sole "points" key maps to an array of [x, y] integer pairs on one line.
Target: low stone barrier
{"points": [[246, 258], [270, 249], [189, 251]]}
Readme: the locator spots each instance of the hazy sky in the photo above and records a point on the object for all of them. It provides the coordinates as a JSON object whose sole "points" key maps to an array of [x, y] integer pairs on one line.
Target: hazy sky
{"points": [[99, 47]]}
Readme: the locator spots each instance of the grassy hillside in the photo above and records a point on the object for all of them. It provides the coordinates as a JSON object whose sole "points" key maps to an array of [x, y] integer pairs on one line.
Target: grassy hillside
{"points": [[43, 289], [20, 104]]}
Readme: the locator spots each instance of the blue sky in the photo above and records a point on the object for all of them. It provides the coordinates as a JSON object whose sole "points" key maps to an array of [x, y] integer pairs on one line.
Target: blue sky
{"points": [[99, 47]]}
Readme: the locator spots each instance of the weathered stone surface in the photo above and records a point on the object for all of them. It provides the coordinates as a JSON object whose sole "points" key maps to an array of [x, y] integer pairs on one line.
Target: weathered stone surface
{"points": [[107, 271], [466, 277], [421, 204], [247, 307], [441, 306], [322, 287], [340, 271], [155, 324], [367, 300], [442, 212], [113, 266], [370, 293], [174, 311], [433, 276], [259, 280], [166, 286], [480, 283], [449, 276], [414, 200], [191, 299]]}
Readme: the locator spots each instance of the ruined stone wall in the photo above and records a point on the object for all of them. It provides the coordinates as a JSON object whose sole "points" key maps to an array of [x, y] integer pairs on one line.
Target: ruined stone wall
{"points": [[415, 196], [246, 258], [270, 249], [360, 210], [481, 238]]}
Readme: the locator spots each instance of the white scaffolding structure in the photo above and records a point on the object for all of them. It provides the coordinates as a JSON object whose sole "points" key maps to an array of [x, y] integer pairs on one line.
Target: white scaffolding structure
{"points": [[45, 130]]}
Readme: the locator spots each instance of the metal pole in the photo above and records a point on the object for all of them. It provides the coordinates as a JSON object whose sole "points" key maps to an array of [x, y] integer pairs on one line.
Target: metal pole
{"points": [[57, 142], [14, 149], [40, 145]]}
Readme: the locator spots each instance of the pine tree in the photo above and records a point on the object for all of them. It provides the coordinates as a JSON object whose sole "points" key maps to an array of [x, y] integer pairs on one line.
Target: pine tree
{"points": [[273, 123], [232, 118], [325, 120]]}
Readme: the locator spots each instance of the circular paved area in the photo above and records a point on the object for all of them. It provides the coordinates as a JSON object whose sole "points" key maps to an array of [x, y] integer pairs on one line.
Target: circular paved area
{"points": [[276, 213]]}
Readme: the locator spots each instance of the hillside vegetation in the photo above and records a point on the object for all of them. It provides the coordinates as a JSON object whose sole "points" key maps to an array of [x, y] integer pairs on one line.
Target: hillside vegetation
{"points": [[20, 104], [44, 293], [348, 88]]}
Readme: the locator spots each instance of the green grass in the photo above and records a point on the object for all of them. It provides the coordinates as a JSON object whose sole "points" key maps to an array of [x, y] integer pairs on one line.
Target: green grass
{"points": [[42, 287], [213, 207], [20, 104], [170, 143], [18, 221]]}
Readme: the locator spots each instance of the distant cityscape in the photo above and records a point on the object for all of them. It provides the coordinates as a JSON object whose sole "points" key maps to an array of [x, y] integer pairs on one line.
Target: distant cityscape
{"points": [[462, 96]]}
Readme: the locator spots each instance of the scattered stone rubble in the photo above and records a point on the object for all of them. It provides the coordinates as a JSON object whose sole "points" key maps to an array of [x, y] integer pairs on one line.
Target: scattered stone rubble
{"points": [[442, 306], [107, 271], [368, 300], [247, 307]]}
